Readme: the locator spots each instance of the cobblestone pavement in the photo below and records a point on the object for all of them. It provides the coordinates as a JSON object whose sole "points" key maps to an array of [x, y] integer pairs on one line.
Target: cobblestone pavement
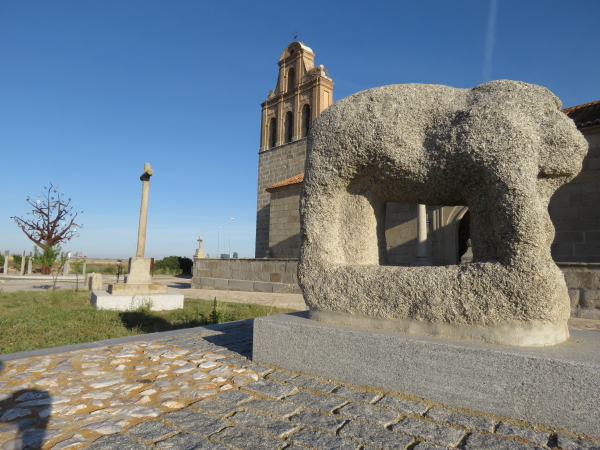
{"points": [[199, 390]]}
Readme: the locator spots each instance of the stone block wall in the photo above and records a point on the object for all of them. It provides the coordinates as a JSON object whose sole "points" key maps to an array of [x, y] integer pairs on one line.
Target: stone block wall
{"points": [[575, 210], [246, 274], [274, 165], [583, 281], [284, 223]]}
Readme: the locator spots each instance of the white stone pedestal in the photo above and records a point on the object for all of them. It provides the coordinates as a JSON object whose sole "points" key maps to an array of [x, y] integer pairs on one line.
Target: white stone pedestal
{"points": [[160, 302]]}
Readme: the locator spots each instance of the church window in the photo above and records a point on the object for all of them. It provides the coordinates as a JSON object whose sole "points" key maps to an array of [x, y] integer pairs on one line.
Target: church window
{"points": [[273, 132], [291, 79], [305, 119], [289, 127]]}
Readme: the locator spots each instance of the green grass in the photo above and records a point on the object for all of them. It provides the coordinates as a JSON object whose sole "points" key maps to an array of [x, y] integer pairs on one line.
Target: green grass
{"points": [[34, 320]]}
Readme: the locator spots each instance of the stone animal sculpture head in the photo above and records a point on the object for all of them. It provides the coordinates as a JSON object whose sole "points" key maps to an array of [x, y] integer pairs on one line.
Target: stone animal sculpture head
{"points": [[501, 148]]}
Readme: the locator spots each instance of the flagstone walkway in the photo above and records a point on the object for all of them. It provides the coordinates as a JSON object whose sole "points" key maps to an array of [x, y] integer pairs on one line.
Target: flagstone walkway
{"points": [[198, 389]]}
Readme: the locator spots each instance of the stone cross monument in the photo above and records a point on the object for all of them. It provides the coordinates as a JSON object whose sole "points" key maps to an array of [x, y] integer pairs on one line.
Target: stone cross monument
{"points": [[199, 251], [138, 289], [139, 267]]}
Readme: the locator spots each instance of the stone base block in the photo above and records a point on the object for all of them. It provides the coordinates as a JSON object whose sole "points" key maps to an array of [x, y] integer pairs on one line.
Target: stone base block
{"points": [[555, 386], [160, 302], [138, 271], [137, 289]]}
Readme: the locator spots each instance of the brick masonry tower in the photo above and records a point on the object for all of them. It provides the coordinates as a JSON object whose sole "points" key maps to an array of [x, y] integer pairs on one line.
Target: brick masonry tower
{"points": [[302, 92]]}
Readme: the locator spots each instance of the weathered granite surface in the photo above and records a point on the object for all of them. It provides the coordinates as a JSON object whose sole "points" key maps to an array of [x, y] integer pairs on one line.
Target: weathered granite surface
{"points": [[501, 148]]}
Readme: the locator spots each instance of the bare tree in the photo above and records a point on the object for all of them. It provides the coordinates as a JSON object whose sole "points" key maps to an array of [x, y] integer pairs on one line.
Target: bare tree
{"points": [[52, 222]]}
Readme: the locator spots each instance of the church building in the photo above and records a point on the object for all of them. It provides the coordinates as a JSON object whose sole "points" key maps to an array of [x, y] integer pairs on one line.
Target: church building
{"points": [[415, 234], [302, 92]]}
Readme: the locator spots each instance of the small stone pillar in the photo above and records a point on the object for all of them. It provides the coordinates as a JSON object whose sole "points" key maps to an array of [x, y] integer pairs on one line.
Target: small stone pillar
{"points": [[23, 264], [421, 258], [30, 264], [6, 257], [93, 281], [84, 267], [66, 268]]}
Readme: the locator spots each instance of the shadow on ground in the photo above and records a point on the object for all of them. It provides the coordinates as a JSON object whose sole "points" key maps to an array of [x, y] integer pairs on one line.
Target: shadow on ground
{"points": [[236, 337], [149, 323], [179, 285], [24, 425]]}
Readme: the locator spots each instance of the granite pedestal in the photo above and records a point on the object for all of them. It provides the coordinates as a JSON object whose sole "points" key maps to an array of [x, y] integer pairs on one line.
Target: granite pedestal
{"points": [[557, 386]]}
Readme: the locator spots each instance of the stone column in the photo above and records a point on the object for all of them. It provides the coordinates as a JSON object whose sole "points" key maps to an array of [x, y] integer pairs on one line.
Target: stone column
{"points": [[66, 268], [141, 244], [84, 268], [23, 264], [30, 264], [421, 258]]}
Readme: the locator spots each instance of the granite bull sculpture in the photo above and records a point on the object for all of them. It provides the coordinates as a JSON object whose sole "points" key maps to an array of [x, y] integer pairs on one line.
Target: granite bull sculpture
{"points": [[501, 148]]}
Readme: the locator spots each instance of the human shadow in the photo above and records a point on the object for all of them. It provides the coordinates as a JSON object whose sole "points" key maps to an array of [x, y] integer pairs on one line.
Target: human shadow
{"points": [[24, 414], [237, 337]]}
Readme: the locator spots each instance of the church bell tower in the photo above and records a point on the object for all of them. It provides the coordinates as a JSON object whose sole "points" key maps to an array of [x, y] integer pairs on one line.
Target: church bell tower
{"points": [[302, 92]]}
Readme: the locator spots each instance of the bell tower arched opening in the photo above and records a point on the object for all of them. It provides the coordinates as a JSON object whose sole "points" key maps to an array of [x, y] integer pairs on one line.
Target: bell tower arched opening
{"points": [[291, 80], [289, 127], [305, 120], [273, 132]]}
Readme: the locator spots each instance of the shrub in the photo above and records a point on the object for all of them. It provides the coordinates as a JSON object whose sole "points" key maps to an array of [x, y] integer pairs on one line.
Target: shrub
{"points": [[174, 264], [17, 260], [170, 263], [186, 264]]}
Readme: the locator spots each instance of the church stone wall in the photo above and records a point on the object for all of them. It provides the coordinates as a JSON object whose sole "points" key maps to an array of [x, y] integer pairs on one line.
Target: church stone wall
{"points": [[274, 165], [246, 274], [284, 224], [575, 210]]}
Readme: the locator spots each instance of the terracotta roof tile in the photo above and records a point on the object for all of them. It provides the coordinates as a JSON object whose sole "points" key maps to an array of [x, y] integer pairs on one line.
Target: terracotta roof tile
{"points": [[297, 179], [586, 114]]}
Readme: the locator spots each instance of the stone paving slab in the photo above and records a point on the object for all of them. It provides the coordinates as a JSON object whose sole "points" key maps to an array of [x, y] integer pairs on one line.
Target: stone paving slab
{"points": [[198, 389]]}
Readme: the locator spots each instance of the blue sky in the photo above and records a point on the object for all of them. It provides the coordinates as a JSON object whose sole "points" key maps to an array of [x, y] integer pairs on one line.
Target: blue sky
{"points": [[91, 90]]}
